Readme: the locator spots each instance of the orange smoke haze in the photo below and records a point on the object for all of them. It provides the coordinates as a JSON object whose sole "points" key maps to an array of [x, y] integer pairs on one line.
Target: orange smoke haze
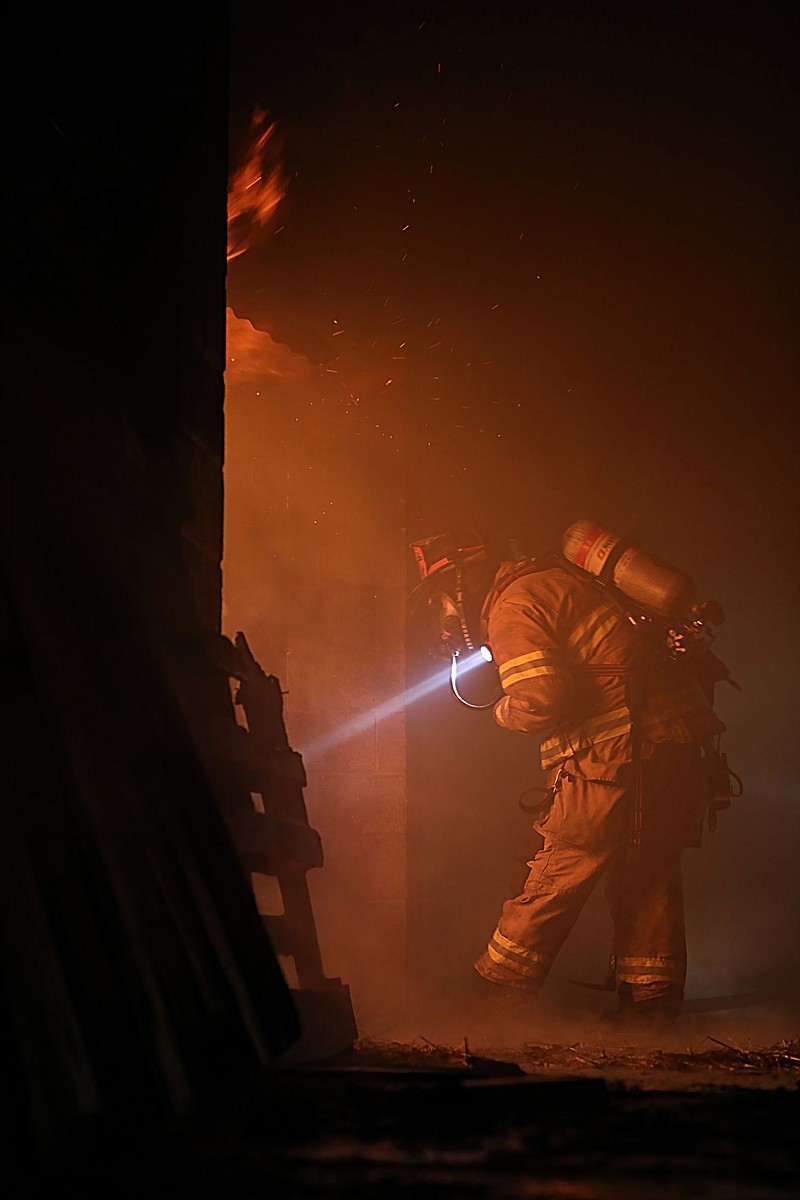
{"points": [[252, 354], [302, 501], [550, 309]]}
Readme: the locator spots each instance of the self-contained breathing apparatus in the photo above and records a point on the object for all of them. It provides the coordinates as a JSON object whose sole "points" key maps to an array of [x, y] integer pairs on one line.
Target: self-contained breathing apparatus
{"points": [[658, 599], [654, 595]]}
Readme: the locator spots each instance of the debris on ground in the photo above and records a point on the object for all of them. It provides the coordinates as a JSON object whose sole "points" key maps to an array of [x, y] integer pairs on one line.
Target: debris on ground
{"points": [[714, 1059]]}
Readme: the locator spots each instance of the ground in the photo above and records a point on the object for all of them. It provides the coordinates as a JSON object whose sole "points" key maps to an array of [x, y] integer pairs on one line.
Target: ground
{"points": [[598, 1116]]}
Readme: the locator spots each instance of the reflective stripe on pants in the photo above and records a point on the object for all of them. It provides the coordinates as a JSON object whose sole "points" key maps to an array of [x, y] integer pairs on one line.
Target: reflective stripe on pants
{"points": [[646, 903], [585, 833]]}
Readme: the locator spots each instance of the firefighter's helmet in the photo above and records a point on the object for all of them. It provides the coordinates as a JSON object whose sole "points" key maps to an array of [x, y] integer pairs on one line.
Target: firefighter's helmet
{"points": [[454, 574]]}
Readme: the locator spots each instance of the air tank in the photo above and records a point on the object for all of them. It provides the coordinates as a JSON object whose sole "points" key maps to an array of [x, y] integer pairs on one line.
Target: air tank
{"points": [[660, 588]]}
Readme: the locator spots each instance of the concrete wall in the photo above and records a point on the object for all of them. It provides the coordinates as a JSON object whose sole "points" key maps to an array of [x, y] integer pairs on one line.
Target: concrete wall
{"points": [[314, 575]]}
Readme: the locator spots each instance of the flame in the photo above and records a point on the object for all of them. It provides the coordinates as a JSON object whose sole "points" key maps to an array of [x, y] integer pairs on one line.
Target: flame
{"points": [[255, 190], [256, 187]]}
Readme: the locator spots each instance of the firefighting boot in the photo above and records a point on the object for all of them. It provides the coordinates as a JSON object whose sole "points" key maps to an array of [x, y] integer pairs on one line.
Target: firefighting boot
{"points": [[644, 1013], [503, 1013]]}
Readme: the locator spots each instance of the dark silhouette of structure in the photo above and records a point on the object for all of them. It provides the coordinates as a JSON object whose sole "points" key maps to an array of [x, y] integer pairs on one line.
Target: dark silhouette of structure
{"points": [[137, 977]]}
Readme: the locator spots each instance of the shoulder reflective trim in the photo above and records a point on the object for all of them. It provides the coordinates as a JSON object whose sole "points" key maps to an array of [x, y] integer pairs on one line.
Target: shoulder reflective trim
{"points": [[531, 673], [526, 666], [534, 656], [588, 633], [587, 624]]}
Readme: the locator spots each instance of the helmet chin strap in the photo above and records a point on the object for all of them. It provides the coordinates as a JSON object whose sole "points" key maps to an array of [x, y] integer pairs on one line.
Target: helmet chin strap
{"points": [[459, 599]]}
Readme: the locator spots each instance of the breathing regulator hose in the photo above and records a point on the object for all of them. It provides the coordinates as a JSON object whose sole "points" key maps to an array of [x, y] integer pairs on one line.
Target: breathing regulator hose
{"points": [[457, 693]]}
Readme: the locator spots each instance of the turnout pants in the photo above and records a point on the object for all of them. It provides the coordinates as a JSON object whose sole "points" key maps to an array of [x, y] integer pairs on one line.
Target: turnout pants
{"points": [[586, 835]]}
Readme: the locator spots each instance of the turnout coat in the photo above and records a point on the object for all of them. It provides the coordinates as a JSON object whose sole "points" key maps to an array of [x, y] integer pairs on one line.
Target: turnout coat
{"points": [[620, 727]]}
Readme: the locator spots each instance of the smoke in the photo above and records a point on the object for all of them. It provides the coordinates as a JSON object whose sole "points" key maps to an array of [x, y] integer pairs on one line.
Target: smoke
{"points": [[546, 302]]}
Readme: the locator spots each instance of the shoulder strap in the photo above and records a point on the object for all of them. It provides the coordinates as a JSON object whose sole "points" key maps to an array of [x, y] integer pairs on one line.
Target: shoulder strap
{"points": [[494, 593]]}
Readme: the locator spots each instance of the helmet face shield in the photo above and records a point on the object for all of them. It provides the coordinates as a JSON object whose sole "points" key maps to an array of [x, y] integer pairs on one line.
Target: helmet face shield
{"points": [[453, 575], [446, 627]]}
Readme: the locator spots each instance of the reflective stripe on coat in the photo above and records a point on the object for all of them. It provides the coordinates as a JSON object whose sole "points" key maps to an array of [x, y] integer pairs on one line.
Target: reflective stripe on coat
{"points": [[567, 658]]}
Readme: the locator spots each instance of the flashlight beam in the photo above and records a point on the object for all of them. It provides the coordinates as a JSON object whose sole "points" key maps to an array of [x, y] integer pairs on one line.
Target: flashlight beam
{"points": [[388, 708]]}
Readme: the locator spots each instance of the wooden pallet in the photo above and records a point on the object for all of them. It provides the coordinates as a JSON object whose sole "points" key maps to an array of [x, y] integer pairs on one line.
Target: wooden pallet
{"points": [[276, 843]]}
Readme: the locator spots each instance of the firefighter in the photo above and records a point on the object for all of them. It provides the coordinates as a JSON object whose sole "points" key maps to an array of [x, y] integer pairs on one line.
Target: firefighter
{"points": [[619, 696]]}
